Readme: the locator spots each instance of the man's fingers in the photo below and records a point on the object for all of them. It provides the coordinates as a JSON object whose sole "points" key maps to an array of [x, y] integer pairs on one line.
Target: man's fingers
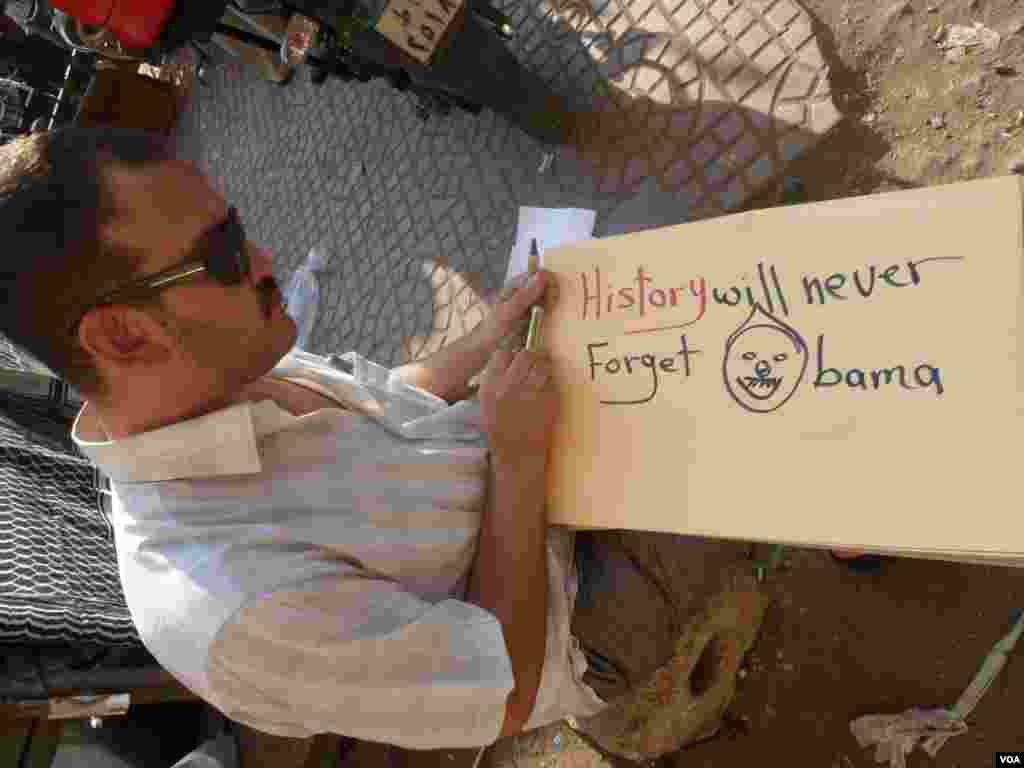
{"points": [[499, 362], [509, 370], [520, 286], [517, 372], [550, 287], [539, 376], [511, 288]]}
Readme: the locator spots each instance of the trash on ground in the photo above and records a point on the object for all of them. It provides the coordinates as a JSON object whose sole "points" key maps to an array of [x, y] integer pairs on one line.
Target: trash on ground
{"points": [[959, 36], [990, 669], [895, 736]]}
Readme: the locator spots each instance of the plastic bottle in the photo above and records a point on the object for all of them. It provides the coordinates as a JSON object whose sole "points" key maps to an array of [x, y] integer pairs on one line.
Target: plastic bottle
{"points": [[302, 296]]}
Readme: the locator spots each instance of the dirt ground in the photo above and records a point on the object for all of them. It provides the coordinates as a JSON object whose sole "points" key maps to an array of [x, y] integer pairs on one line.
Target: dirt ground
{"points": [[836, 646], [913, 116]]}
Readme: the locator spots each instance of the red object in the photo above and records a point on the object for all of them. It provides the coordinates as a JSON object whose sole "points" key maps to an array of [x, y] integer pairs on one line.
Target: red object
{"points": [[133, 23], [7, 25]]}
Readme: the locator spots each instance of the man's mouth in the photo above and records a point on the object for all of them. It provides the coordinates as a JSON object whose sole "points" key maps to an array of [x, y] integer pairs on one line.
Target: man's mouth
{"points": [[759, 388]]}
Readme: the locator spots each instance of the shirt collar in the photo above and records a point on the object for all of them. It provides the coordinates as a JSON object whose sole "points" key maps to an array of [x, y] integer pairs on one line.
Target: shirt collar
{"points": [[224, 442], [220, 443]]}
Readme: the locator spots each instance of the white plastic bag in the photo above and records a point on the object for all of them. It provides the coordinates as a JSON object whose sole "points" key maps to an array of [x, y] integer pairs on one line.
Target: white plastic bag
{"points": [[302, 296]]}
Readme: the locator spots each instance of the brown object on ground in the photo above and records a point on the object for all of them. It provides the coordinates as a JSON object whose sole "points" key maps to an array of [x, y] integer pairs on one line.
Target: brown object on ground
{"points": [[684, 701], [653, 587], [120, 96]]}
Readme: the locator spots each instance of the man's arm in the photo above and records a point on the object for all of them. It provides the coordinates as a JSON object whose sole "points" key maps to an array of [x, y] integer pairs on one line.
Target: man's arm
{"points": [[510, 576], [447, 372]]}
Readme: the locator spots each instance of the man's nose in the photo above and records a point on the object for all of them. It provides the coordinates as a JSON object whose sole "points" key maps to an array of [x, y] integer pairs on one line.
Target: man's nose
{"points": [[261, 267]]}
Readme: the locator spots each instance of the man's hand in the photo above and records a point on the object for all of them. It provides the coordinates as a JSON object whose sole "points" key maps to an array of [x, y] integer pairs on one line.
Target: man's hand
{"points": [[518, 405], [447, 372], [510, 314]]}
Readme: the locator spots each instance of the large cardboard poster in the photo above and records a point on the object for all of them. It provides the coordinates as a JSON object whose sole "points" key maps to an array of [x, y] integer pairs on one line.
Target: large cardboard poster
{"points": [[844, 373]]}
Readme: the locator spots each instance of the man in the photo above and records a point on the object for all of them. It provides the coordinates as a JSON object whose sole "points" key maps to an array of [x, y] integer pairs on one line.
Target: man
{"points": [[197, 437], [310, 550]]}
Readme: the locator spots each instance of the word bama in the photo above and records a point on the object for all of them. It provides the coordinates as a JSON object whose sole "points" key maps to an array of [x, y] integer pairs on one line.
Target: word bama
{"points": [[642, 296]]}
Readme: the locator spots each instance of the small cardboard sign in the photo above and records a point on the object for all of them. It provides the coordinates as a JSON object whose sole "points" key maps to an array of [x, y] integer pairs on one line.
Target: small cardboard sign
{"points": [[417, 26]]}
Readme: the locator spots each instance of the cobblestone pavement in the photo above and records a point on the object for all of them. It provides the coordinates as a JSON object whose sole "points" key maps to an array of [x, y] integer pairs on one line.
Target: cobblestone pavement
{"points": [[700, 103]]}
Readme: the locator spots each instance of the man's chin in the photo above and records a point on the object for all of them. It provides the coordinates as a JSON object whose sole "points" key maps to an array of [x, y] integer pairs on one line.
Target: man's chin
{"points": [[293, 334]]}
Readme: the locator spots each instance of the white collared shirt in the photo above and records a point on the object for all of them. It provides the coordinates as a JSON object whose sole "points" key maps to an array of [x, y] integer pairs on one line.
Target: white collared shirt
{"points": [[308, 574]]}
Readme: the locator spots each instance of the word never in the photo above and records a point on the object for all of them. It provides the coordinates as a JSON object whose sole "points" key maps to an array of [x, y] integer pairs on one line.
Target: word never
{"points": [[635, 363], [814, 288], [925, 375]]}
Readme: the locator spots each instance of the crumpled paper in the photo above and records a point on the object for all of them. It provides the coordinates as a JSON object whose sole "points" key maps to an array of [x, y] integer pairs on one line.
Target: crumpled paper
{"points": [[895, 736], [957, 38]]}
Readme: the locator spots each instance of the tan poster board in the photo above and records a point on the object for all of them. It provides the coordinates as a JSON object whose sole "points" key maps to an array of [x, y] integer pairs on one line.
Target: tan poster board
{"points": [[845, 373]]}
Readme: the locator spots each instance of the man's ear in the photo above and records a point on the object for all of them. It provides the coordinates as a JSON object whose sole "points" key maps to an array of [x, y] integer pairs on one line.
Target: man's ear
{"points": [[123, 333]]}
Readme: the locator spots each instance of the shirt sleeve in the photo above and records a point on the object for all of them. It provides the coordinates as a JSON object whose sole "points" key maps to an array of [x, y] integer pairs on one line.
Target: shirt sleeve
{"points": [[362, 658]]}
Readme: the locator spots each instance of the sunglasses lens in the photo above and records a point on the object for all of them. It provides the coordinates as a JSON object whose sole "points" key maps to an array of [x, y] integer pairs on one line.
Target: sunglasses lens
{"points": [[229, 260]]}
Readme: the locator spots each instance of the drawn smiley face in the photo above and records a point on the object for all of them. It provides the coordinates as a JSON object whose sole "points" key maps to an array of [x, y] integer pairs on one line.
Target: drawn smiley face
{"points": [[765, 361]]}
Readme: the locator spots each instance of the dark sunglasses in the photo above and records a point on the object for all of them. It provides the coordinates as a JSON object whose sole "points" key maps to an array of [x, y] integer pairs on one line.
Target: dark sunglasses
{"points": [[220, 252]]}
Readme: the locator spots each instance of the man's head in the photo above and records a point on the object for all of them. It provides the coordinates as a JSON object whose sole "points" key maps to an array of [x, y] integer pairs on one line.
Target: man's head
{"points": [[85, 212]]}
